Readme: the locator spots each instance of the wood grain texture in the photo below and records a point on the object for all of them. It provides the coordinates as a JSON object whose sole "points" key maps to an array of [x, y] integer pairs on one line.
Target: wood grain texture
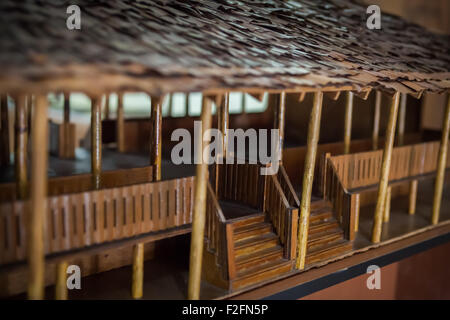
{"points": [[38, 193]]}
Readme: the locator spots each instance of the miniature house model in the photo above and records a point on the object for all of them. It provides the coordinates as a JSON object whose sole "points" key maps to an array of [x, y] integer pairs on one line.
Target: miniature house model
{"points": [[355, 168]]}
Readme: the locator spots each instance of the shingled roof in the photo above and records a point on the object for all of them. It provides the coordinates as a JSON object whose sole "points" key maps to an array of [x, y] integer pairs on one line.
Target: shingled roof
{"points": [[166, 46]]}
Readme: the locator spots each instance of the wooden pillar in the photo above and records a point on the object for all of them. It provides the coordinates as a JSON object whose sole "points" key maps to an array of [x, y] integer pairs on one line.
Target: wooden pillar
{"points": [[280, 112], [38, 192], [66, 108], [442, 160], [61, 281], [107, 110], [198, 219], [170, 103], [385, 169], [4, 140], [21, 146], [387, 205], [137, 281], [376, 121], [120, 129], [413, 196], [348, 122], [186, 103], [308, 178], [358, 210], [222, 125], [401, 120], [155, 137], [96, 143]]}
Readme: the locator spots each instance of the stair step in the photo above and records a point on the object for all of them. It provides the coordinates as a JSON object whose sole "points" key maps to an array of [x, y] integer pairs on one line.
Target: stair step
{"points": [[323, 226], [252, 230], [260, 273], [252, 219], [258, 258], [318, 204], [254, 244], [324, 238], [321, 214], [328, 251]]}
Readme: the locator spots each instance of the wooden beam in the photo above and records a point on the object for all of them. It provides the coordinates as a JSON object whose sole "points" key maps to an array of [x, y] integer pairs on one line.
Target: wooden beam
{"points": [[333, 95], [385, 169], [401, 119], [38, 191], [120, 123], [61, 281], [442, 160], [363, 94], [198, 219], [308, 178], [376, 121], [96, 142], [21, 146], [280, 112], [4, 140], [258, 96], [155, 136], [348, 122]]}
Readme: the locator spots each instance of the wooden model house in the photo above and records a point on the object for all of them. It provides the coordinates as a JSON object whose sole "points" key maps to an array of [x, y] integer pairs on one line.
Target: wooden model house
{"points": [[346, 101]]}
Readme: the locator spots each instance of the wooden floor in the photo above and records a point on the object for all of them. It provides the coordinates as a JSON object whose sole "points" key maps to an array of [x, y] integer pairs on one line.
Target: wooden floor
{"points": [[111, 160], [233, 210], [400, 221]]}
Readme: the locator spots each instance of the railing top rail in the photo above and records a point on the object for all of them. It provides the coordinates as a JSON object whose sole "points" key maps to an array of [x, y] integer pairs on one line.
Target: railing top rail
{"points": [[289, 184], [280, 192]]}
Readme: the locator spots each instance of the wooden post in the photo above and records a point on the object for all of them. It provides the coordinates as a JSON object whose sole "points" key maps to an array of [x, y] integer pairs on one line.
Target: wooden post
{"points": [[120, 130], [170, 103], [155, 137], [279, 123], [21, 146], [387, 205], [38, 191], [413, 196], [385, 169], [401, 119], [222, 124], [30, 102], [107, 111], [243, 103], [357, 210], [376, 121], [61, 281], [198, 219], [4, 142], [96, 143], [442, 160], [308, 177], [66, 108], [137, 282], [348, 122]]}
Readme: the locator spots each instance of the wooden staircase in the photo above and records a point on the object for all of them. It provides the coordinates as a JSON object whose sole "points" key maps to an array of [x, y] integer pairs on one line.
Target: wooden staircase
{"points": [[325, 236], [257, 252]]}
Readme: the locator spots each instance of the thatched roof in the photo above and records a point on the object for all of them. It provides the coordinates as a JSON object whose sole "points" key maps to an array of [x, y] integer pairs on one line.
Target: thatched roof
{"points": [[166, 46]]}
